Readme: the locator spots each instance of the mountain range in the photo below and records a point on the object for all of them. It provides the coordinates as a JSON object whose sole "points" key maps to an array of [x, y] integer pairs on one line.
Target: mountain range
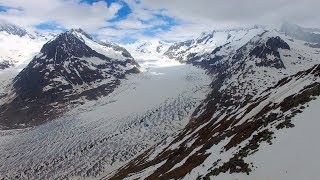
{"points": [[228, 104]]}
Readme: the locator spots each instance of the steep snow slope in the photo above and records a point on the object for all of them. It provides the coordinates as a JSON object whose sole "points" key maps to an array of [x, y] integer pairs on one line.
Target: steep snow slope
{"points": [[256, 91], [108, 49], [17, 47], [98, 137], [208, 41], [293, 154]]}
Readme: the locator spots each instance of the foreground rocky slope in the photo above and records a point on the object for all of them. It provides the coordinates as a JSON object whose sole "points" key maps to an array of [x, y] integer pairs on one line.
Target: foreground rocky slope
{"points": [[68, 69], [258, 88]]}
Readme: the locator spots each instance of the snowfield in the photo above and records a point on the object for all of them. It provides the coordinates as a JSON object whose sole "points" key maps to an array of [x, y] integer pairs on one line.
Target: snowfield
{"points": [[294, 153], [18, 51], [99, 136]]}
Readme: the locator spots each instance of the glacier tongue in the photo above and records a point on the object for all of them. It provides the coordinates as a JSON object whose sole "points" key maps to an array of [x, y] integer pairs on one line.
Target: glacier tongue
{"points": [[98, 137]]}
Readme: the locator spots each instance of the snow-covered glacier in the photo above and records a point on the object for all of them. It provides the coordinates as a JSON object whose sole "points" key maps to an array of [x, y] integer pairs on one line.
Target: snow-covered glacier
{"points": [[100, 136]]}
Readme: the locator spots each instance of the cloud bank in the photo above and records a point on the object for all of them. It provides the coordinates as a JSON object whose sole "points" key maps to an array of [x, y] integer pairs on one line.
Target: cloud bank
{"points": [[171, 20]]}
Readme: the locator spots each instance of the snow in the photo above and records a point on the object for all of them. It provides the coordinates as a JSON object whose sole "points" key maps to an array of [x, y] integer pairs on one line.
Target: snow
{"points": [[94, 60], [156, 103], [280, 93], [148, 49], [300, 57], [145, 52], [19, 51], [207, 42], [99, 47], [294, 154], [153, 106]]}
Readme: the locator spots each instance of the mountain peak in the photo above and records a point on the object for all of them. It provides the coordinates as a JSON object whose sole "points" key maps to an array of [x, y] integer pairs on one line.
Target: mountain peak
{"points": [[66, 69], [70, 43], [12, 29], [80, 33], [311, 35]]}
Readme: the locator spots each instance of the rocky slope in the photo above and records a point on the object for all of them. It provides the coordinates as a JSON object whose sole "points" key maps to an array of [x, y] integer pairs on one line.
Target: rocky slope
{"points": [[260, 84], [68, 69]]}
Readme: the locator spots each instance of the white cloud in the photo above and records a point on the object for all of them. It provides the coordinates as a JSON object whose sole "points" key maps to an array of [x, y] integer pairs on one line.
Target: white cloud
{"points": [[138, 24], [67, 13], [204, 15], [140, 11], [183, 32], [242, 11], [192, 17], [133, 26]]}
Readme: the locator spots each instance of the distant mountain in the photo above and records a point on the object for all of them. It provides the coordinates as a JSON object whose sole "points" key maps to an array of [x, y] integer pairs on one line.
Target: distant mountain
{"points": [[17, 46], [69, 69], [311, 35], [148, 49], [208, 41], [12, 29]]}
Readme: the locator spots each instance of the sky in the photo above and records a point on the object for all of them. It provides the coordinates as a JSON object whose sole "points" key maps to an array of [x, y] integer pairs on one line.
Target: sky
{"points": [[126, 21]]}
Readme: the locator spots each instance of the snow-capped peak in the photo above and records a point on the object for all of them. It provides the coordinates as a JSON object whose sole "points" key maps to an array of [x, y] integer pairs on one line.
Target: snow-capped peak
{"points": [[17, 47], [148, 49], [80, 34], [12, 29], [109, 49], [70, 67], [210, 40], [150, 46]]}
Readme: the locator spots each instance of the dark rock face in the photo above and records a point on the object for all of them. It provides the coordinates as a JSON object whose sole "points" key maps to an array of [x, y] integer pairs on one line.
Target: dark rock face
{"points": [[270, 48], [65, 71], [5, 65], [264, 51]]}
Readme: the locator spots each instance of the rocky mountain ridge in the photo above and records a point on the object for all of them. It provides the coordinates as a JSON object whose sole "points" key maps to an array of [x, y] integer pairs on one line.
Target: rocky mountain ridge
{"points": [[233, 95], [65, 71], [257, 89]]}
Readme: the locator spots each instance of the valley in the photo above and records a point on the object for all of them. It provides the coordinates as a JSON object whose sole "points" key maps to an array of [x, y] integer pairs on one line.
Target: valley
{"points": [[144, 110], [223, 105]]}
